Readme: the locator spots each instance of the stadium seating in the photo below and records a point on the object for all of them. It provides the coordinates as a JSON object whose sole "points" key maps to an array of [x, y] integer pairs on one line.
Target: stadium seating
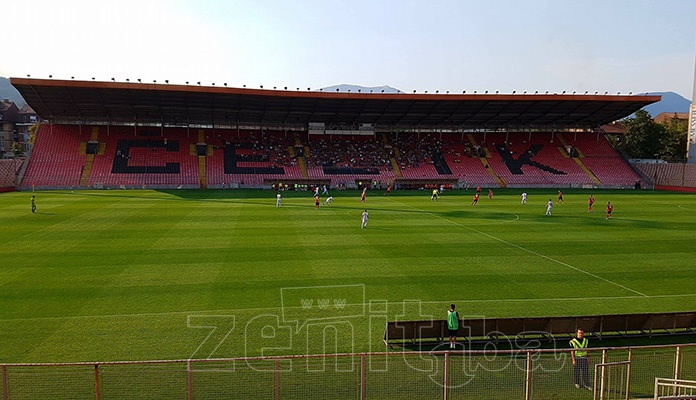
{"points": [[671, 175], [9, 168], [191, 158], [521, 160], [56, 160], [606, 164], [465, 167], [145, 151], [344, 159]]}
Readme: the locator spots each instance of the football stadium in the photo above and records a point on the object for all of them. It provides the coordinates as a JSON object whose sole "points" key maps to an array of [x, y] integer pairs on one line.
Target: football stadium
{"points": [[168, 241]]}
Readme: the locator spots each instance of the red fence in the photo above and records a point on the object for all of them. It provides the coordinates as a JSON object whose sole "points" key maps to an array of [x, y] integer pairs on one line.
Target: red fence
{"points": [[457, 374]]}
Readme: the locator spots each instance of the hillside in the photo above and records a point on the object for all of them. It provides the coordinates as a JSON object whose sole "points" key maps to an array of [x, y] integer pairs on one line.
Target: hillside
{"points": [[7, 91], [671, 102]]}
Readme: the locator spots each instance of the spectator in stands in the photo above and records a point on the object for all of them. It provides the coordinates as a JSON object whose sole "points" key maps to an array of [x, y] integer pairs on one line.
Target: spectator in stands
{"points": [[452, 325], [580, 357], [363, 220], [33, 204], [549, 206]]}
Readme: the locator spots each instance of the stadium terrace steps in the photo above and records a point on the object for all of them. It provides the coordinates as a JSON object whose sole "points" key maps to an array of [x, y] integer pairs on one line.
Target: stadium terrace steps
{"points": [[677, 175], [174, 157], [604, 162], [578, 160], [397, 169], [202, 174], [56, 159], [302, 163], [9, 168]]}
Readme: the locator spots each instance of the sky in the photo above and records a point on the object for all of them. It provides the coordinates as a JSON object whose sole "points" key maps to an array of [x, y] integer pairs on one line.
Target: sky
{"points": [[496, 45]]}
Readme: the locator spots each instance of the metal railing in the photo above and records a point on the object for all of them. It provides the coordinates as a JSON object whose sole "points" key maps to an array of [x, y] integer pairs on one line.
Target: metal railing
{"points": [[666, 388], [447, 375]]}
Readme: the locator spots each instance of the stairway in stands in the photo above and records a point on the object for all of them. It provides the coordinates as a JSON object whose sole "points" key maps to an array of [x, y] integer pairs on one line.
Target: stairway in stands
{"points": [[89, 160], [484, 161], [392, 156], [202, 171], [578, 160], [301, 160]]}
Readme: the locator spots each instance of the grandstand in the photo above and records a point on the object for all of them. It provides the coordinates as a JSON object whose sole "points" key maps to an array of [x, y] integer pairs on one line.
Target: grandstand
{"points": [[109, 134], [65, 157], [115, 135]]}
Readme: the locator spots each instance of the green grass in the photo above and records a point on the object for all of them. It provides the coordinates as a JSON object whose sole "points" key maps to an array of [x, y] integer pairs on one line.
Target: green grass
{"points": [[135, 275]]}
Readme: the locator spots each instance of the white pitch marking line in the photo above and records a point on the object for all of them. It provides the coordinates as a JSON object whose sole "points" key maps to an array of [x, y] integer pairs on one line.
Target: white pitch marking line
{"points": [[392, 303], [529, 251]]}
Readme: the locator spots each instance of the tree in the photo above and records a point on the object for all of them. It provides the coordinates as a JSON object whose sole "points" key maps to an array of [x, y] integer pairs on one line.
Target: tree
{"points": [[674, 141], [643, 137]]}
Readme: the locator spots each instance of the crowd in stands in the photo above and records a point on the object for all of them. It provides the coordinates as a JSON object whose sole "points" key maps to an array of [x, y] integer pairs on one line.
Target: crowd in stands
{"points": [[454, 147], [491, 158], [341, 152], [271, 147], [415, 150]]}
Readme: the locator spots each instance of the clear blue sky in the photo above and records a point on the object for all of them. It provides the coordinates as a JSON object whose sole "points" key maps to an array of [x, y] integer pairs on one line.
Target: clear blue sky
{"points": [[522, 45]]}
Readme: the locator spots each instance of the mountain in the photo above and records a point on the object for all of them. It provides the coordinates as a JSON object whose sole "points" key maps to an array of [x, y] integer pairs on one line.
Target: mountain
{"points": [[363, 89], [7, 91], [671, 102]]}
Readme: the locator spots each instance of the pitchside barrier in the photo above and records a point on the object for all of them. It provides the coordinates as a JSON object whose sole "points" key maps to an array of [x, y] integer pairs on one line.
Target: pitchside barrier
{"points": [[674, 389], [619, 373], [400, 332]]}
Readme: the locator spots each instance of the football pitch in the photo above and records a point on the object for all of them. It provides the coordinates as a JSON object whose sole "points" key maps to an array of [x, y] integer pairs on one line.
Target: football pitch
{"points": [[142, 274]]}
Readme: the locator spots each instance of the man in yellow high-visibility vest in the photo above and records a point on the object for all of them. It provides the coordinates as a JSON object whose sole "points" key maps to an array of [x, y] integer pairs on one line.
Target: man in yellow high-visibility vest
{"points": [[581, 357]]}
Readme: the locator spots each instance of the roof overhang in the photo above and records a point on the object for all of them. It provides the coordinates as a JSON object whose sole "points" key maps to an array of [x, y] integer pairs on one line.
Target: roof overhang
{"points": [[144, 103]]}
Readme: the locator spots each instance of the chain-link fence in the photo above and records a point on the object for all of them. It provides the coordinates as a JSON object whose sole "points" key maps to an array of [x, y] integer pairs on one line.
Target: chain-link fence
{"points": [[616, 373]]}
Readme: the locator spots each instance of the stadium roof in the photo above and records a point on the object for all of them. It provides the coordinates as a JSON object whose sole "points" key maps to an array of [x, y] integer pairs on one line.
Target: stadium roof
{"points": [[143, 103]]}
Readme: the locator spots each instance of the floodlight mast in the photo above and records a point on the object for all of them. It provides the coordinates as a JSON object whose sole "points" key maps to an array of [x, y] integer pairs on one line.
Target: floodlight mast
{"points": [[691, 139]]}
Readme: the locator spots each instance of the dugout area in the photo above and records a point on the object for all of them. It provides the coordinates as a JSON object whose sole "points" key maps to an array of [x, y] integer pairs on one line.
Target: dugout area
{"points": [[398, 333]]}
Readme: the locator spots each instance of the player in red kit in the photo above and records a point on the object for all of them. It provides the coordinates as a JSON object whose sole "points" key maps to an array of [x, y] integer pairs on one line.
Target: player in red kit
{"points": [[590, 202], [476, 197], [610, 208]]}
